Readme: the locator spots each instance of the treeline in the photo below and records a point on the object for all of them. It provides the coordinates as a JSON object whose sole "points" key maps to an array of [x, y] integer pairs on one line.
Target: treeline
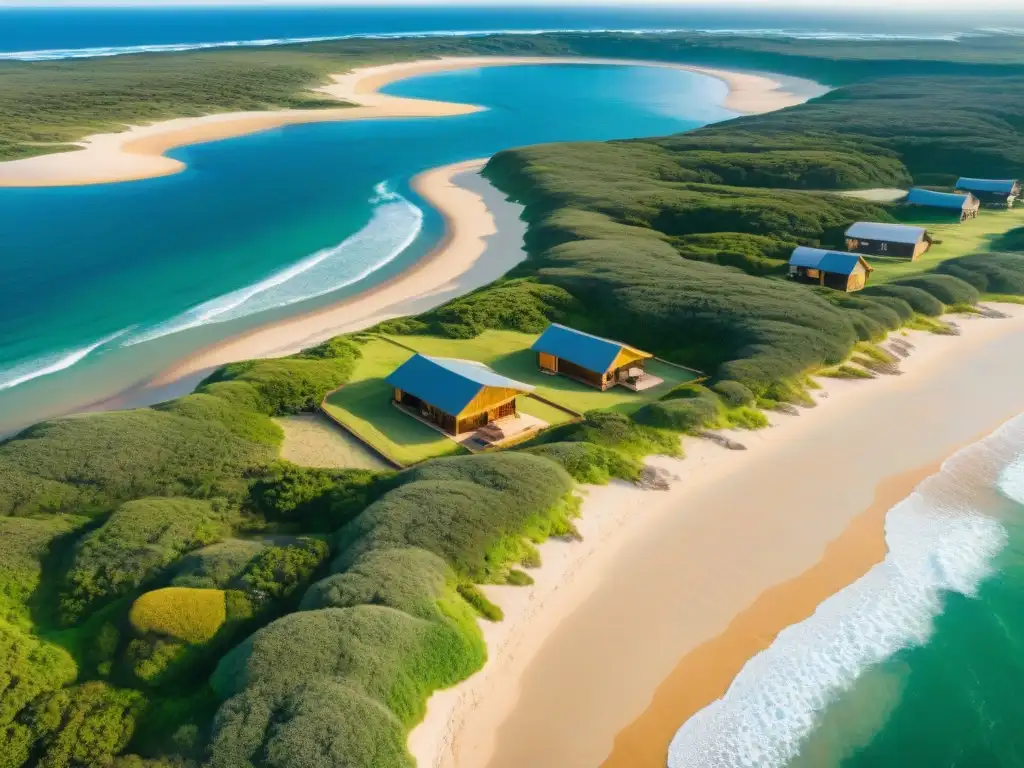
{"points": [[46, 105]]}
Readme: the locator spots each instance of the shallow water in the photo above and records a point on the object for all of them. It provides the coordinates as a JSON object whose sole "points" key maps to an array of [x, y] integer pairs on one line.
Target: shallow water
{"points": [[917, 663], [102, 286]]}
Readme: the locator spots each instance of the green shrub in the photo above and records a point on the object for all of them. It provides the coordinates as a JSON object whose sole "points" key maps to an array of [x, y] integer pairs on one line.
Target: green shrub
{"points": [[989, 272], [29, 667], [615, 431], [277, 572], [318, 500], [193, 616], [590, 463], [216, 566], [519, 578], [734, 393], [945, 288], [472, 595], [681, 415], [25, 544], [920, 301], [138, 541]]}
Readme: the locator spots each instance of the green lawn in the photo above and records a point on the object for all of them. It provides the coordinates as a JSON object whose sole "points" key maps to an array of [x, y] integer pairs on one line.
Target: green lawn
{"points": [[364, 403], [508, 353], [974, 236]]}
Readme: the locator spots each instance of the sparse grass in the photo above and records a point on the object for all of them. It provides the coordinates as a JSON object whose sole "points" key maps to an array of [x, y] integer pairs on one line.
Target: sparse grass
{"points": [[846, 371]]}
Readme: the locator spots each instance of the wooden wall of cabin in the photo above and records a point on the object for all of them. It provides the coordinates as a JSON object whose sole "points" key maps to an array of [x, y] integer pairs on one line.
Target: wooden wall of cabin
{"points": [[581, 374], [477, 420], [885, 248]]}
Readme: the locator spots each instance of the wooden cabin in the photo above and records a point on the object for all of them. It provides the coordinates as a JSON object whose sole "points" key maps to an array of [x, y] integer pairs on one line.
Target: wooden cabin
{"points": [[457, 396], [992, 193], [591, 360], [896, 240], [832, 269], [962, 207]]}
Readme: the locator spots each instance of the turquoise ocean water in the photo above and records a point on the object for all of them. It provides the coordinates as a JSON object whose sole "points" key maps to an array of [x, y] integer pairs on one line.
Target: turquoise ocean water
{"points": [[918, 663], [103, 286]]}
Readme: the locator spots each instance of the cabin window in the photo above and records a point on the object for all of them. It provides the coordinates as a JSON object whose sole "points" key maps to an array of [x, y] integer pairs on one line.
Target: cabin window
{"points": [[883, 247], [814, 273]]}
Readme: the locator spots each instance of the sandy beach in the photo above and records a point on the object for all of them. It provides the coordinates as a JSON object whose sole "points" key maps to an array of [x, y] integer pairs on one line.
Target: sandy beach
{"points": [[648, 619], [138, 152]]}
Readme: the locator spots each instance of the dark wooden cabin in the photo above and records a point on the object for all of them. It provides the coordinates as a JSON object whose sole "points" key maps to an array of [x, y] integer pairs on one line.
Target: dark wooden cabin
{"points": [[457, 396], [589, 359], [895, 240], [832, 269], [958, 207], [992, 193]]}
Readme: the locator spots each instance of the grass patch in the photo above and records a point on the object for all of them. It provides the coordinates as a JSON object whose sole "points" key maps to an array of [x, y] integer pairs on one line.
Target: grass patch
{"points": [[181, 613]]}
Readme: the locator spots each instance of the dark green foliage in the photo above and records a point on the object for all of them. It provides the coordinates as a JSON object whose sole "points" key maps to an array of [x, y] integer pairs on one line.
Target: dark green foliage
{"points": [[82, 726], [920, 301], [590, 463], [276, 572], [945, 288], [317, 500], [217, 566], [519, 578], [240, 421], [136, 543], [734, 393], [989, 272]]}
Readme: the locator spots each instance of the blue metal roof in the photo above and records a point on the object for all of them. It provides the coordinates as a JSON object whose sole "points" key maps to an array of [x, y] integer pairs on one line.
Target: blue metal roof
{"points": [[827, 261], [891, 233], [447, 383], [583, 349], [919, 196], [1004, 186]]}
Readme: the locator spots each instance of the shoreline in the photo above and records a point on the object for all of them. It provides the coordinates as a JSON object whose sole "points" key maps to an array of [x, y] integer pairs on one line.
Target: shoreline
{"points": [[138, 152], [588, 660], [482, 241]]}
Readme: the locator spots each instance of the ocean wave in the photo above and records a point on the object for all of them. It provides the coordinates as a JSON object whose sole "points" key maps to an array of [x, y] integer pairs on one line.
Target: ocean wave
{"points": [[392, 228], [53, 54], [44, 366], [939, 542]]}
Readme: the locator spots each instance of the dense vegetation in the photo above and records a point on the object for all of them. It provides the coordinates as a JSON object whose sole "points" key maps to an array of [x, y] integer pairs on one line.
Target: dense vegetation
{"points": [[172, 594]]}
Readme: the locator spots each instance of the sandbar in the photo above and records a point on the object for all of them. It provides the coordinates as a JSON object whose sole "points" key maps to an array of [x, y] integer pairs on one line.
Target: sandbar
{"points": [[703, 576], [138, 151]]}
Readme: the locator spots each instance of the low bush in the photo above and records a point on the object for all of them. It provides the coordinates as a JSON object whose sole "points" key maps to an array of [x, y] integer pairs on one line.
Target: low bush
{"points": [[989, 272], [920, 301], [590, 463], [181, 613], [472, 595], [25, 544], [945, 288], [615, 431], [216, 566], [317, 500], [681, 414], [138, 541], [734, 393], [278, 571], [29, 667]]}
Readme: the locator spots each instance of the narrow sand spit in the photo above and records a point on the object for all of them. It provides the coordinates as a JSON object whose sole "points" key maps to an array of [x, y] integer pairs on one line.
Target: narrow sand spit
{"points": [[692, 582], [138, 152]]}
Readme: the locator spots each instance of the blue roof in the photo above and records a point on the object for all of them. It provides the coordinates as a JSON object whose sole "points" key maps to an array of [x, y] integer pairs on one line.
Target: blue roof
{"points": [[583, 349], [919, 196], [892, 233], [447, 383], [827, 261], [1004, 186]]}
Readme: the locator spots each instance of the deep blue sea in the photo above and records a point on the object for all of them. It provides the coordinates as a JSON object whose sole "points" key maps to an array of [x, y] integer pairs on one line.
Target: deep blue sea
{"points": [[35, 33], [103, 286]]}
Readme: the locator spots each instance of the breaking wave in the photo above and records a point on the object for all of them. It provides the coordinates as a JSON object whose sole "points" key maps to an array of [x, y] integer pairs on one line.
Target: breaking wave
{"points": [[393, 227], [44, 366], [939, 542], [121, 50]]}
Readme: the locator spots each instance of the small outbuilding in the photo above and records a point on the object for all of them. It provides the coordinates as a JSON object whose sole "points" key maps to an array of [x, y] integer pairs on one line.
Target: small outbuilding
{"points": [[832, 269], [963, 207], [592, 360], [896, 240], [455, 395], [993, 193]]}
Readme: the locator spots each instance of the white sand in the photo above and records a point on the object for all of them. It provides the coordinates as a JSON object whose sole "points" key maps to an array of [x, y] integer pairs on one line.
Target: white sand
{"points": [[580, 653], [138, 152]]}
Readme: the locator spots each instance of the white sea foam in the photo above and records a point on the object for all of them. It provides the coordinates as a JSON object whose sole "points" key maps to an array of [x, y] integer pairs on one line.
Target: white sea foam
{"points": [[939, 542], [49, 364], [51, 54], [393, 227]]}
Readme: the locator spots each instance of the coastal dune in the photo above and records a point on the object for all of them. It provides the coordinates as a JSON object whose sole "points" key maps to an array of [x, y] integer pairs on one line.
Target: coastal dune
{"points": [[651, 616], [139, 151]]}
